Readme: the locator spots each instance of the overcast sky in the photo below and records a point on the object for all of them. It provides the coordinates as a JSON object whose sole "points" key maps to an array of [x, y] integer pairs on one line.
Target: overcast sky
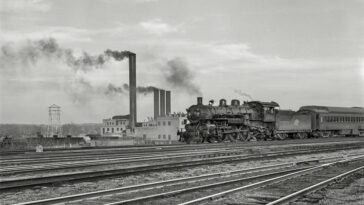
{"points": [[307, 52]]}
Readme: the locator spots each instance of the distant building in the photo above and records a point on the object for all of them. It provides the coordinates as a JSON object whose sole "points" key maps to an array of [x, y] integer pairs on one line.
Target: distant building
{"points": [[163, 129], [115, 126]]}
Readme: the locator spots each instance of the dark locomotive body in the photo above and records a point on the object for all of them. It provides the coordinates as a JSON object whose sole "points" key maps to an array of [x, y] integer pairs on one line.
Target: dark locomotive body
{"points": [[257, 120]]}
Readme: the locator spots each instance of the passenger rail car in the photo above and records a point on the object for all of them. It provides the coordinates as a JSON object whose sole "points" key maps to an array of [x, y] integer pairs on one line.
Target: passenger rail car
{"points": [[330, 121]]}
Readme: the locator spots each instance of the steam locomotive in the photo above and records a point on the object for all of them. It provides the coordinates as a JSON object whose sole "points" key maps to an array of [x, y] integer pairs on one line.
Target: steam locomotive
{"points": [[255, 120]]}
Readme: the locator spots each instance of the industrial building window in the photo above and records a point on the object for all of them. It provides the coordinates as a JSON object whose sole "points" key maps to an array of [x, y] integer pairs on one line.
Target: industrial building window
{"points": [[164, 136], [117, 129], [112, 130], [164, 123], [103, 130], [159, 136], [169, 137], [107, 129], [159, 123], [144, 136], [169, 123]]}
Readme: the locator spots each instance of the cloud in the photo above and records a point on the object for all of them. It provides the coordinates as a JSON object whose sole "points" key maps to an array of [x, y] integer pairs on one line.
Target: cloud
{"points": [[62, 34], [158, 27], [19, 6]]}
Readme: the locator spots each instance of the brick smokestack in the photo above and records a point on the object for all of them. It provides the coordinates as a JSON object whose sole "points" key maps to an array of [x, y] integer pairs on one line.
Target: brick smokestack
{"points": [[162, 102], [156, 103], [132, 91], [168, 102]]}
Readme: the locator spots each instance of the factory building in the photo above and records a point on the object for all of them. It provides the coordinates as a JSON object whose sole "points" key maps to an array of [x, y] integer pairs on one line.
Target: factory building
{"points": [[115, 126], [163, 129]]}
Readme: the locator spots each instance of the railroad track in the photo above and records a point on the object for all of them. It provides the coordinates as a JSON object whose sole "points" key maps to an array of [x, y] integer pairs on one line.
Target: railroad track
{"points": [[82, 162], [166, 148], [174, 146], [6, 184], [146, 193], [286, 188], [30, 160]]}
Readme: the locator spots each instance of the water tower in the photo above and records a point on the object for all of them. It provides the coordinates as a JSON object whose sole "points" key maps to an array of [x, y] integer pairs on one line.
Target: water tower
{"points": [[54, 128]]}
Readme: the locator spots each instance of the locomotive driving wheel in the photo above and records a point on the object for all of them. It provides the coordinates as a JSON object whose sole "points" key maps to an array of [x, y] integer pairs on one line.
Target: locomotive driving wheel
{"points": [[214, 138], [281, 136], [232, 137], [301, 135], [241, 137]]}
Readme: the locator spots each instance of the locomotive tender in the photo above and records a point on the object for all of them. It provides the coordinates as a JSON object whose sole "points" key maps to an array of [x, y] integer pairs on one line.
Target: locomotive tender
{"points": [[257, 120]]}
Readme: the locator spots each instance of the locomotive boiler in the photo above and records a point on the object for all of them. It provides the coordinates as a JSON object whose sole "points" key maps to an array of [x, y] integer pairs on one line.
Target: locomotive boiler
{"points": [[255, 120]]}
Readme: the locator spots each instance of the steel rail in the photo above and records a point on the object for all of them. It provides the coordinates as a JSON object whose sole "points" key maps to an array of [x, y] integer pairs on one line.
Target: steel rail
{"points": [[98, 155], [98, 162], [140, 149], [195, 188], [95, 163], [320, 185], [265, 182], [161, 183], [17, 183]]}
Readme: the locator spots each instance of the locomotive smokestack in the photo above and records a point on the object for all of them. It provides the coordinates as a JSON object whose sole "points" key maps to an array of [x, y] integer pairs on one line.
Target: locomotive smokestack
{"points": [[156, 103], [168, 102], [199, 100], [162, 102], [132, 90]]}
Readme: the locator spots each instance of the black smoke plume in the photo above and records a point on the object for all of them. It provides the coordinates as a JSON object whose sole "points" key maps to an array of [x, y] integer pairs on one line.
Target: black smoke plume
{"points": [[117, 55], [180, 76], [241, 93], [112, 90], [141, 89], [33, 51]]}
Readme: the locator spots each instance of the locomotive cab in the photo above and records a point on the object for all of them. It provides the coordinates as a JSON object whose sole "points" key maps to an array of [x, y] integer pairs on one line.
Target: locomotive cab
{"points": [[266, 110]]}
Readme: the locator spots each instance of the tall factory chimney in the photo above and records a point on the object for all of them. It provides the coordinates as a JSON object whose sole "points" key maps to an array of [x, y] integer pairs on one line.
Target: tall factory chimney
{"points": [[132, 91], [168, 102], [162, 102], [156, 103]]}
